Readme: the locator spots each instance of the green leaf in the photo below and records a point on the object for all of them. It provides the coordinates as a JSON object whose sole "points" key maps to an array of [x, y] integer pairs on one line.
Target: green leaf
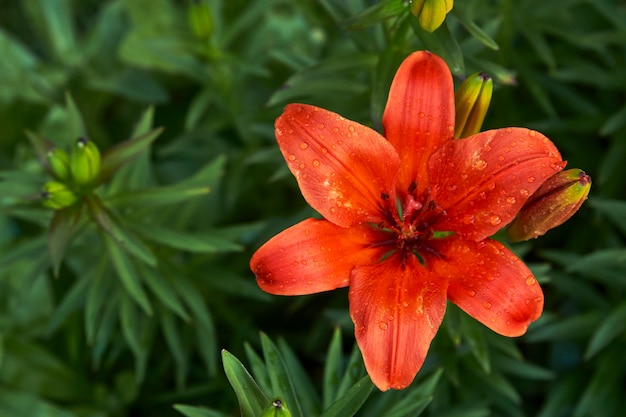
{"points": [[99, 290], [474, 335], [62, 227], [375, 14], [259, 370], [197, 242], [122, 153], [416, 398], [171, 332], [163, 290], [16, 403], [73, 300], [75, 124], [189, 411], [303, 386], [348, 404], [333, 369], [355, 370], [611, 327], [474, 30], [123, 238], [442, 43], [282, 385], [28, 249], [613, 209], [127, 274], [252, 401]]}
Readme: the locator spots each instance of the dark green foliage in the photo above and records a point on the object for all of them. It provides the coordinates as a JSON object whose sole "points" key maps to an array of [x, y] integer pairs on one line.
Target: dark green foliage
{"points": [[119, 304]]}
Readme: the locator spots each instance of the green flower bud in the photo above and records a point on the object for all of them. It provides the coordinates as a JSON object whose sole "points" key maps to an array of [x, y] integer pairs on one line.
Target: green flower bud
{"points": [[57, 195], [551, 205], [277, 409], [472, 101], [84, 161], [431, 13], [59, 163], [201, 19]]}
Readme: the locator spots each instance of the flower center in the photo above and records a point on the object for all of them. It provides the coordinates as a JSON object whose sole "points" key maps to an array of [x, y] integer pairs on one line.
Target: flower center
{"points": [[410, 222]]}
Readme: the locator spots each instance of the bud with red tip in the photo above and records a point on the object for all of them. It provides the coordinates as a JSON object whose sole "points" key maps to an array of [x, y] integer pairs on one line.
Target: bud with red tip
{"points": [[551, 205], [431, 13], [471, 102]]}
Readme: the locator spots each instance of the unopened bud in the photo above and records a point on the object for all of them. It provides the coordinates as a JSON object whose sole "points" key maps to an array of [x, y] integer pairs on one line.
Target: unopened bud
{"points": [[551, 205], [201, 19], [84, 161], [278, 408], [59, 163], [431, 13], [472, 101], [57, 195]]}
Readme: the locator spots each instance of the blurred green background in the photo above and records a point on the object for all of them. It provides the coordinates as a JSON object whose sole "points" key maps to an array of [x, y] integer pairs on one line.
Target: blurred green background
{"points": [[154, 281]]}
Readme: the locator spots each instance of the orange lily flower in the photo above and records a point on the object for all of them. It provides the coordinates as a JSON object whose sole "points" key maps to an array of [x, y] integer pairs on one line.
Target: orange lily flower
{"points": [[407, 219]]}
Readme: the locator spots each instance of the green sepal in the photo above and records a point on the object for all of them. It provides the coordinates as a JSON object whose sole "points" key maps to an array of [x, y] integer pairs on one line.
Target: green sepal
{"points": [[278, 408], [252, 401], [84, 162], [62, 227], [57, 195]]}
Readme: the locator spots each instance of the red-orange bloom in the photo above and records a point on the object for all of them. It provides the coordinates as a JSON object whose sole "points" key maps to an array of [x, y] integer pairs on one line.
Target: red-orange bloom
{"points": [[407, 219]]}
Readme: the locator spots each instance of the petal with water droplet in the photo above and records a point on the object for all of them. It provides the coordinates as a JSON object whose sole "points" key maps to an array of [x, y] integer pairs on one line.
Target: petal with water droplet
{"points": [[484, 180], [406, 304], [499, 281]]}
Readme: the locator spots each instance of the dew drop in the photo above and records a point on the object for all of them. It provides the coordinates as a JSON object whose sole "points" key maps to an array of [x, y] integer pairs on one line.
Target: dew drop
{"points": [[527, 301], [316, 163], [510, 200], [487, 305], [383, 325], [513, 144], [333, 210], [324, 150], [495, 220], [531, 179], [490, 278], [472, 293], [538, 299], [291, 157], [468, 219], [296, 263], [405, 304], [451, 187], [309, 282], [509, 130], [531, 133], [491, 186], [304, 145], [421, 115], [303, 262], [524, 192], [321, 126], [530, 280], [482, 195], [480, 164], [302, 165]]}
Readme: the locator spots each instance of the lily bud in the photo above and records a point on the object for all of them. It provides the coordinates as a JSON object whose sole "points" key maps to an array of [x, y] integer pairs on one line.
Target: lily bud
{"points": [[200, 19], [277, 409], [59, 163], [551, 205], [431, 13], [84, 161], [57, 195], [472, 101]]}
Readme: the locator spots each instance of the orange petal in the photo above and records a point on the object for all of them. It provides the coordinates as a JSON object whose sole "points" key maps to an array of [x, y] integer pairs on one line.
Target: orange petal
{"points": [[396, 312], [489, 283], [313, 256], [482, 181], [342, 167], [419, 116]]}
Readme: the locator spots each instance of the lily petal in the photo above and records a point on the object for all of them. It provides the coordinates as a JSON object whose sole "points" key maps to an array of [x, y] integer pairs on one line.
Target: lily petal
{"points": [[489, 283], [313, 256], [419, 116], [396, 310], [482, 181], [342, 167]]}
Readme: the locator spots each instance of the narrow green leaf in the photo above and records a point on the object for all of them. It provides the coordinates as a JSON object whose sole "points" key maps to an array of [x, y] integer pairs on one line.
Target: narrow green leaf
{"points": [[163, 290], [106, 327], [613, 325], [474, 335], [417, 397], [282, 385], [123, 238], [375, 14], [442, 43], [127, 274], [333, 369], [124, 152], [355, 370], [28, 249], [524, 369], [259, 370], [613, 209], [73, 300], [99, 291], [189, 411], [75, 124], [196, 242], [303, 386], [62, 227], [153, 197], [474, 30], [171, 332], [252, 401], [41, 146], [129, 320], [348, 404]]}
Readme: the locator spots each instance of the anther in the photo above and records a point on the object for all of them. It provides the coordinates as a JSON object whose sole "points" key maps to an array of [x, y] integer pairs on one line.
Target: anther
{"points": [[412, 187], [384, 196]]}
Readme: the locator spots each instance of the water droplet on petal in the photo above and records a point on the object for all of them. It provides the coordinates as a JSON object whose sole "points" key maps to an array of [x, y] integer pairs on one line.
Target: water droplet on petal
{"points": [[291, 158], [324, 150], [495, 220], [480, 164], [302, 165], [304, 145], [472, 293], [487, 305], [530, 280], [320, 126], [468, 219], [531, 179], [316, 163], [531, 133], [523, 191], [451, 187], [510, 200], [538, 299], [490, 278], [421, 115], [491, 186], [333, 210], [383, 325]]}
